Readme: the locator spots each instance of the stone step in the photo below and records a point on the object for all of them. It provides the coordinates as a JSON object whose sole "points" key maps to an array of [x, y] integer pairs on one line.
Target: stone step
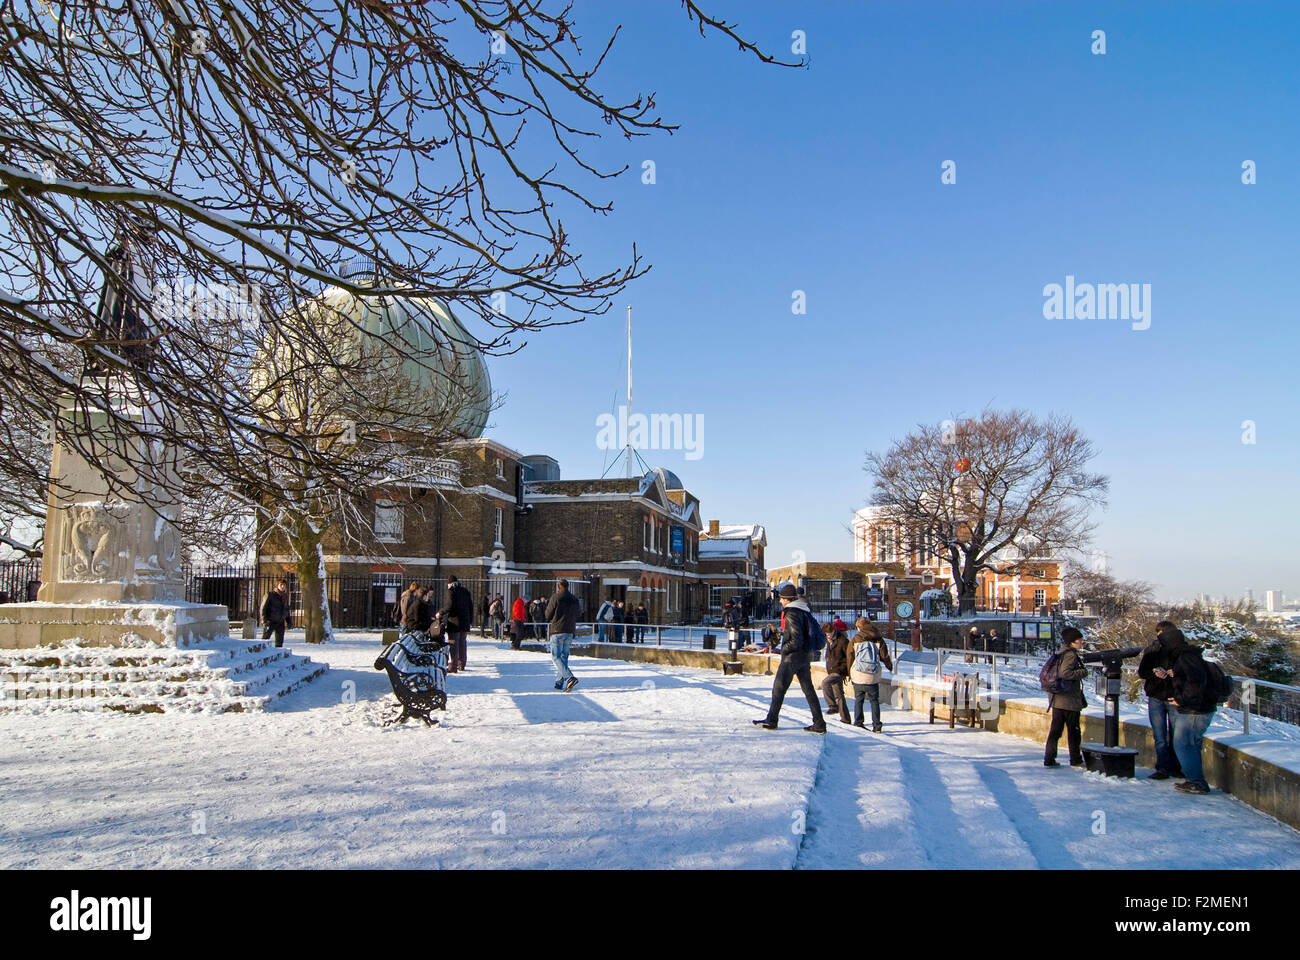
{"points": [[201, 668], [213, 654], [219, 677], [275, 694]]}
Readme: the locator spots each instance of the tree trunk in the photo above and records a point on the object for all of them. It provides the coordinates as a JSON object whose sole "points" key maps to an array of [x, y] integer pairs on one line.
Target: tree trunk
{"points": [[311, 580], [967, 591]]}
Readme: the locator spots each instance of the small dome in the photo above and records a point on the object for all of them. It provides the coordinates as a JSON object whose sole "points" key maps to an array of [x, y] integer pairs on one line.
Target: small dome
{"points": [[670, 479]]}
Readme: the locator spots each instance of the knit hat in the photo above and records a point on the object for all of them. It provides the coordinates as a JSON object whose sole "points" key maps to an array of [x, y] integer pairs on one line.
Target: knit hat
{"points": [[788, 592]]}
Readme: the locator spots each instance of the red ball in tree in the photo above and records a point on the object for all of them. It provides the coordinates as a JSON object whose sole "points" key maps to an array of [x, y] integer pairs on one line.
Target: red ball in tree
{"points": [[963, 465]]}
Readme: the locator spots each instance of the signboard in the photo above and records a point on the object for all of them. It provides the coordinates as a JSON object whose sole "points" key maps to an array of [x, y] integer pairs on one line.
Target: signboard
{"points": [[678, 539], [875, 600], [390, 594], [1044, 631], [1017, 630], [1031, 631]]}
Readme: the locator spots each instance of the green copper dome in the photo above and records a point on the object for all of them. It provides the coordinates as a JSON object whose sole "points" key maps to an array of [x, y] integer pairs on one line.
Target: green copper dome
{"points": [[410, 354]]}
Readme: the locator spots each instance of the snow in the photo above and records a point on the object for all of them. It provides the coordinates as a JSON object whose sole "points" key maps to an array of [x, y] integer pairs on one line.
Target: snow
{"points": [[641, 765]]}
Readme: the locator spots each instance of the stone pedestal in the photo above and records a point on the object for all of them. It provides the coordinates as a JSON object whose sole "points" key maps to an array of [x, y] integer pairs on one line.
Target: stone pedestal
{"points": [[182, 624], [110, 573]]}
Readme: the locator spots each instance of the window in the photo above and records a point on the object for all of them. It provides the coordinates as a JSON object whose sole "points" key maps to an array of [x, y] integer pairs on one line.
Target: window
{"points": [[1040, 597], [888, 546], [388, 522], [498, 542], [501, 472], [645, 533], [835, 590]]}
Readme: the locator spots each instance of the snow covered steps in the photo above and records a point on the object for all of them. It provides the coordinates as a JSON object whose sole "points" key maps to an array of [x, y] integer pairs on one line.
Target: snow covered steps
{"points": [[217, 676]]}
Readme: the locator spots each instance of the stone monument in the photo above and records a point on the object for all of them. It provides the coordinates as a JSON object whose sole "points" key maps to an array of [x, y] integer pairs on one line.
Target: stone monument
{"points": [[110, 626]]}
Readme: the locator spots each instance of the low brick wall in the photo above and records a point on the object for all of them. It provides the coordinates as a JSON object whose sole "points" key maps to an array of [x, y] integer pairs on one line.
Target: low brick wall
{"points": [[1264, 774]]}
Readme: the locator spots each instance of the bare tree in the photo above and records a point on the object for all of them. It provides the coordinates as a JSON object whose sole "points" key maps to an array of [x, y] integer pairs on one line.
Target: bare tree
{"points": [[1107, 595], [989, 493], [179, 181]]}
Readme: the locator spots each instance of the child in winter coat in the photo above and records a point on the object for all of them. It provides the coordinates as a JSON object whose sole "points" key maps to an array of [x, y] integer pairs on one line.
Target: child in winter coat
{"points": [[867, 653]]}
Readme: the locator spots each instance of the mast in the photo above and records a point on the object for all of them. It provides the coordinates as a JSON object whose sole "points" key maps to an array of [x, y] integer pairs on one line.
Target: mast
{"points": [[628, 451]]}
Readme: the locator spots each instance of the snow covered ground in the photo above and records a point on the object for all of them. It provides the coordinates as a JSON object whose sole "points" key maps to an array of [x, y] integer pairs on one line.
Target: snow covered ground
{"points": [[640, 766]]}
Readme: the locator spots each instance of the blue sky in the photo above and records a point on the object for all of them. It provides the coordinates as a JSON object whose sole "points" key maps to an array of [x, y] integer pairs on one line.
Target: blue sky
{"points": [[924, 300]]}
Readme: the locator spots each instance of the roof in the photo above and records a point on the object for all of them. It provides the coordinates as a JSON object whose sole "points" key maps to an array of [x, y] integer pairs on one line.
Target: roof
{"points": [[724, 549], [741, 531]]}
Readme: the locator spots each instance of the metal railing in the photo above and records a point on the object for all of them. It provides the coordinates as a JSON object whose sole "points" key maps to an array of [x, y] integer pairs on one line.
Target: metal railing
{"points": [[1263, 698]]}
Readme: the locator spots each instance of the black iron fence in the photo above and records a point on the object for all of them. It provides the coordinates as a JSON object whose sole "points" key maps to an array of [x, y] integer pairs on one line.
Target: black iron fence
{"points": [[19, 580], [368, 601]]}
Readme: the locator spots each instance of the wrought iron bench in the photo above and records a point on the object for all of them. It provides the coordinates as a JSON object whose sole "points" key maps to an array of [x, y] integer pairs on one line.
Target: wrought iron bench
{"points": [[417, 669]]}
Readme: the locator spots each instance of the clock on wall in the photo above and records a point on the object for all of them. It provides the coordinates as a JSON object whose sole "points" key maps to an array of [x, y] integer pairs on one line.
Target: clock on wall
{"points": [[904, 609]]}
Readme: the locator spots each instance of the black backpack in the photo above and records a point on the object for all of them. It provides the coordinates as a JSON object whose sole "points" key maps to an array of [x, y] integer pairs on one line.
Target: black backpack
{"points": [[817, 638], [1218, 685]]}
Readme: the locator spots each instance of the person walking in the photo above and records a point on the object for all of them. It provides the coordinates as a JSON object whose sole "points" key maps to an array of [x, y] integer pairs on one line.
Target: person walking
{"points": [[562, 612], [275, 612], [642, 617], [497, 611], [483, 606], [457, 615], [1067, 706], [1157, 668], [796, 649], [837, 672], [866, 653], [518, 614], [410, 607], [1195, 704]]}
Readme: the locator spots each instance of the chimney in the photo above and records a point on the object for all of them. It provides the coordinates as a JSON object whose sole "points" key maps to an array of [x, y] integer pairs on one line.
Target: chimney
{"points": [[713, 529]]}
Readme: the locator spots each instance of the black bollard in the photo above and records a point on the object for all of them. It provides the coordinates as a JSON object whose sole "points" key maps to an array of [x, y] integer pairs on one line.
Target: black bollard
{"points": [[1109, 758]]}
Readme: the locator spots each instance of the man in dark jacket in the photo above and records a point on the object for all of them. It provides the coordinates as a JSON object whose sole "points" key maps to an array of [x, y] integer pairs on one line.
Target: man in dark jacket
{"points": [[275, 612], [642, 617], [410, 607], [620, 618], [1067, 706], [1195, 704], [562, 611], [837, 671], [796, 651], [457, 617], [1157, 668]]}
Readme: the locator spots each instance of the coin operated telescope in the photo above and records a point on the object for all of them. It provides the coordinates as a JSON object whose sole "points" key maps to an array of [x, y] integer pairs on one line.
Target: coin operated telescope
{"points": [[1110, 758]]}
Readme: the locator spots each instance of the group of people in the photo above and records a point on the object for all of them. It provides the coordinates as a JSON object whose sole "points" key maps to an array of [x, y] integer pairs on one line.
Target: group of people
{"points": [[976, 639], [613, 617], [451, 621], [858, 660], [1180, 704]]}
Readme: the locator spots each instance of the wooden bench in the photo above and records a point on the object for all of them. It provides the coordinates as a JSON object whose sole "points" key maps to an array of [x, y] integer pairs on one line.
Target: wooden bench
{"points": [[961, 700], [417, 669]]}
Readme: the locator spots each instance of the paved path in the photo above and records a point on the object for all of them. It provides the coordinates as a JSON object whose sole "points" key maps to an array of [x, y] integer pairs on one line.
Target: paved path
{"points": [[641, 766]]}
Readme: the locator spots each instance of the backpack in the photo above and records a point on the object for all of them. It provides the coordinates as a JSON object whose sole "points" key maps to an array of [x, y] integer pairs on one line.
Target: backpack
{"points": [[816, 642], [1049, 677], [1218, 685], [866, 659]]}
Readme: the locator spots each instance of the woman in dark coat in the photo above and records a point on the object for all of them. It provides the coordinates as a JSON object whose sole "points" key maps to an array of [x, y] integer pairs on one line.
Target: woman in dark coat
{"points": [[1067, 706]]}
